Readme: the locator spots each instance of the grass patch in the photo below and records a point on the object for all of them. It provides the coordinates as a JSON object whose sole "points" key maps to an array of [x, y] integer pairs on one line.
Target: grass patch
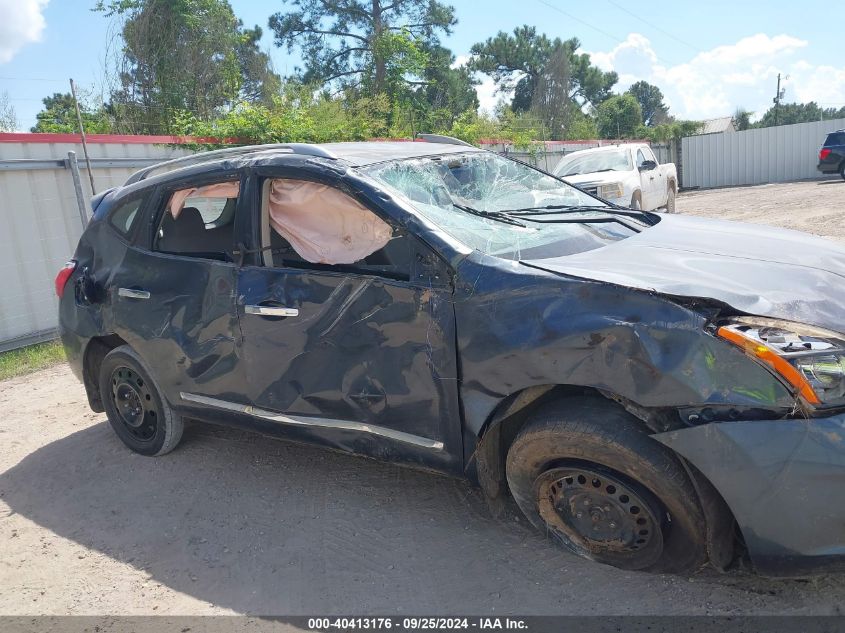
{"points": [[32, 358]]}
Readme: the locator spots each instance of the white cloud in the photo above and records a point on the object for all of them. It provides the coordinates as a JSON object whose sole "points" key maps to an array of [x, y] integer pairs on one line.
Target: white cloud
{"points": [[823, 84], [22, 23], [486, 90], [716, 82]]}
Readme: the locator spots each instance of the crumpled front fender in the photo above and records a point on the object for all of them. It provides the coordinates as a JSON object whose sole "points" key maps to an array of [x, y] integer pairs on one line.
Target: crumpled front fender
{"points": [[784, 481]]}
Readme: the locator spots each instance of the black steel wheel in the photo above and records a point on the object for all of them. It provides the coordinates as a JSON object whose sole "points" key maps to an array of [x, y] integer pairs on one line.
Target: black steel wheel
{"points": [[602, 512], [137, 411], [586, 472], [132, 400]]}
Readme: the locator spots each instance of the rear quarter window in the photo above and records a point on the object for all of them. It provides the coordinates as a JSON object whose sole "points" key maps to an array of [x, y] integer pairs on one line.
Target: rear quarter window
{"points": [[837, 138], [124, 216]]}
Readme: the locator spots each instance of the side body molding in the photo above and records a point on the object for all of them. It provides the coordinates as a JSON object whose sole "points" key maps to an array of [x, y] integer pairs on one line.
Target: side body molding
{"points": [[399, 436]]}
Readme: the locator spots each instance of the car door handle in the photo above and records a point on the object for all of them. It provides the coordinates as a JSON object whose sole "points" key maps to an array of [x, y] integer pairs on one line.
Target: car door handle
{"points": [[271, 311], [131, 293]]}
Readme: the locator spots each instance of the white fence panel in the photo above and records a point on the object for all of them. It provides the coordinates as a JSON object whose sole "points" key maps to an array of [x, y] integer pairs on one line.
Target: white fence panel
{"points": [[753, 157], [547, 155], [40, 223]]}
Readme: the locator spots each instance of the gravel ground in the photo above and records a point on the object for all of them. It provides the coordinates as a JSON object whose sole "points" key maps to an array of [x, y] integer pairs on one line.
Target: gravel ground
{"points": [[814, 206], [233, 522]]}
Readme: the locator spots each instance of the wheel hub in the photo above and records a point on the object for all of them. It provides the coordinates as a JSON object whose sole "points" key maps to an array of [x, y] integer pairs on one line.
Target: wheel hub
{"points": [[133, 403], [599, 512], [129, 404]]}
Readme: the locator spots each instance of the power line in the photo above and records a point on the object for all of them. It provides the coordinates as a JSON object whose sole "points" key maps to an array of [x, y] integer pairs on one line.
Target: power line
{"points": [[6, 78], [615, 38], [654, 26]]}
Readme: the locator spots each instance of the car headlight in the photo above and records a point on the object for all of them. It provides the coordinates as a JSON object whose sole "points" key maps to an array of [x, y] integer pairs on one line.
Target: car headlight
{"points": [[612, 190], [810, 359]]}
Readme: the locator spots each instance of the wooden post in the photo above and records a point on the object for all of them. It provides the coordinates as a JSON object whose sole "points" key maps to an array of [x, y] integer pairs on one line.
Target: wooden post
{"points": [[77, 187], [82, 134]]}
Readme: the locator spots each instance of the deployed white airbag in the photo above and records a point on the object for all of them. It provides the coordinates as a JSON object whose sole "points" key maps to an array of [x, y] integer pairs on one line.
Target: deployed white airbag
{"points": [[324, 225]]}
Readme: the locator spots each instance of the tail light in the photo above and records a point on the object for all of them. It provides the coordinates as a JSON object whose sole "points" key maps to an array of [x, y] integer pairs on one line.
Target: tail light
{"points": [[64, 274], [824, 152]]}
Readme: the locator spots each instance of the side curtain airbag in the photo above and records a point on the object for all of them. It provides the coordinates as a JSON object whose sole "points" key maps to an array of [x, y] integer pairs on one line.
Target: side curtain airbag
{"points": [[217, 190], [324, 225]]}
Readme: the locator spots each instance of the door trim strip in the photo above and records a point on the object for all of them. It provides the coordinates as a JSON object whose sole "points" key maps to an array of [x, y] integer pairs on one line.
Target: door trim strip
{"points": [[345, 425]]}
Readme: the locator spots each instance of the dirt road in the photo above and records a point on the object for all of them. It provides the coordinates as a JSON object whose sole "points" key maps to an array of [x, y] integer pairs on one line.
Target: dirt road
{"points": [[233, 522], [816, 206]]}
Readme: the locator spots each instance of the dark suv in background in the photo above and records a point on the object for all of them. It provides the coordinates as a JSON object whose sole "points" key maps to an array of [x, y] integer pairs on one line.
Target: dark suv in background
{"points": [[832, 154]]}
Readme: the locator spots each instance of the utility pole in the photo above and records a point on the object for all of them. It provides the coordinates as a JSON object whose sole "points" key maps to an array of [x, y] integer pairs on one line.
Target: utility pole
{"points": [[778, 96], [82, 134]]}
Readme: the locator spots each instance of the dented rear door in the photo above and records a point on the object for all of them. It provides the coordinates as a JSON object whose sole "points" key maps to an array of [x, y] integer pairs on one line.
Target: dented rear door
{"points": [[178, 312]]}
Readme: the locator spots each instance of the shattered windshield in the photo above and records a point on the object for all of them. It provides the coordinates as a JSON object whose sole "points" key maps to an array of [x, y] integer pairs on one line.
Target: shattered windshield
{"points": [[485, 201], [593, 162]]}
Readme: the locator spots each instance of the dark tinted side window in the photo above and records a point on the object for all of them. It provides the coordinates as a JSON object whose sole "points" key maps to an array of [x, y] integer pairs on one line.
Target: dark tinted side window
{"points": [[124, 216], [837, 138]]}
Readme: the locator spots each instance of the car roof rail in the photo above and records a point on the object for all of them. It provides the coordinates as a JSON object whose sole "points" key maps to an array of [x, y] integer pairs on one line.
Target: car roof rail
{"points": [[201, 157], [440, 138]]}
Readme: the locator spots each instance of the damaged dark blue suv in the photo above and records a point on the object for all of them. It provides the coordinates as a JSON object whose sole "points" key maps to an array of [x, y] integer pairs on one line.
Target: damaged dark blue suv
{"points": [[655, 392]]}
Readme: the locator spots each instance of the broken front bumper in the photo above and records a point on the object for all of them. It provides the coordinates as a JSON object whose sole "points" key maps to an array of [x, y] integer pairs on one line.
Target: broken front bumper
{"points": [[784, 481]]}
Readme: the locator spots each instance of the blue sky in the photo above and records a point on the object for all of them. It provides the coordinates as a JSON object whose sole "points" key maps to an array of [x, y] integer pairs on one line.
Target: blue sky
{"points": [[707, 58]]}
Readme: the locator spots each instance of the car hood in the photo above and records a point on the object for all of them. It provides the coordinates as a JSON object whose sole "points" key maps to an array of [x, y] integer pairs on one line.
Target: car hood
{"points": [[596, 177], [755, 269]]}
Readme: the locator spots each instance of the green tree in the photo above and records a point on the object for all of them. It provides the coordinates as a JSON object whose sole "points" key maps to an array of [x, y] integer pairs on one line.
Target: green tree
{"points": [[742, 118], [582, 127], [371, 44], [619, 117], [548, 77], [789, 113], [651, 103], [8, 117], [59, 116], [182, 55], [259, 83], [299, 113], [673, 130], [445, 93]]}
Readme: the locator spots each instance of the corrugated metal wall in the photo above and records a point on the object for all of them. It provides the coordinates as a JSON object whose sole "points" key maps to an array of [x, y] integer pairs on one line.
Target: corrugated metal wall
{"points": [[752, 157], [548, 158], [40, 225]]}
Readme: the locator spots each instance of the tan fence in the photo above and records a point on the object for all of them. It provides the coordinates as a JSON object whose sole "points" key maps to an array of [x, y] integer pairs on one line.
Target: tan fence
{"points": [[40, 217], [752, 157]]}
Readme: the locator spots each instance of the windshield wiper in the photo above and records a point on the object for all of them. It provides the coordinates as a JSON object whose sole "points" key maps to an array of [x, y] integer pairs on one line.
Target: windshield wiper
{"points": [[498, 216], [560, 209], [563, 208]]}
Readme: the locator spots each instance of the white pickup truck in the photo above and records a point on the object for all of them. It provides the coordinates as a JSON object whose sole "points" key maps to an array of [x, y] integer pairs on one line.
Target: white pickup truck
{"points": [[628, 175]]}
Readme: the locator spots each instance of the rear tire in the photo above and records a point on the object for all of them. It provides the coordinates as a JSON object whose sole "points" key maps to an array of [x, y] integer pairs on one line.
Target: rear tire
{"points": [[842, 171], [137, 411], [587, 473], [670, 199]]}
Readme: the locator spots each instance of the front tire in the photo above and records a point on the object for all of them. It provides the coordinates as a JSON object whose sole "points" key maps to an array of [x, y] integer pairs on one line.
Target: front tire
{"points": [[137, 411], [637, 200], [670, 200], [842, 171], [587, 473]]}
